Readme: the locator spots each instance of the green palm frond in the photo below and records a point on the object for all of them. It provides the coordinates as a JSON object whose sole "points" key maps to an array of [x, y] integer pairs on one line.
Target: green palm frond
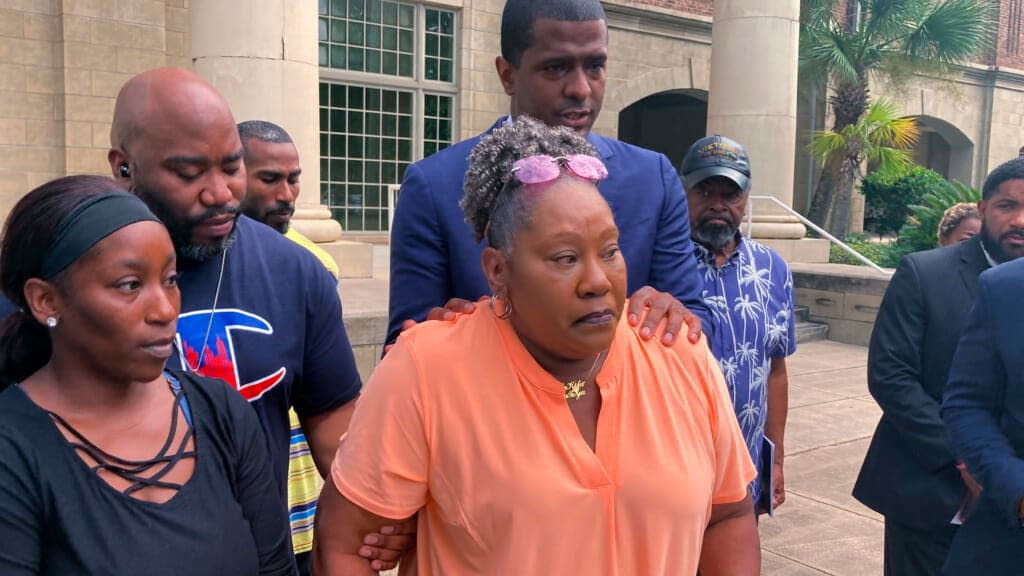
{"points": [[826, 144], [884, 126], [831, 53], [889, 161], [887, 19], [951, 33]]}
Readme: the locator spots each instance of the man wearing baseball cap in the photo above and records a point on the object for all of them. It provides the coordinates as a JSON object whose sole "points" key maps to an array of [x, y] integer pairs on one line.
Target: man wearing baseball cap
{"points": [[749, 291]]}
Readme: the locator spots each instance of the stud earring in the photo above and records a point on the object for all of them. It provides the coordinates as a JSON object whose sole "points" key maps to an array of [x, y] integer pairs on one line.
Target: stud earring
{"points": [[123, 170], [51, 321]]}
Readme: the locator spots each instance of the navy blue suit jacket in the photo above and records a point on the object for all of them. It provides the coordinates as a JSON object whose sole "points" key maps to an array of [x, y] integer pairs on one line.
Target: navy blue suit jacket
{"points": [[434, 257], [983, 408]]}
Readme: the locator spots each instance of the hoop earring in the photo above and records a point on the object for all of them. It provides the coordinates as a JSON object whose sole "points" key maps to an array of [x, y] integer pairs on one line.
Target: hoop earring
{"points": [[51, 321], [505, 314]]}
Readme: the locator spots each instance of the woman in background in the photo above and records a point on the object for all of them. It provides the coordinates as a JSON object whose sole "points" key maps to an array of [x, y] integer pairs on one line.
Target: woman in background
{"points": [[960, 222]]}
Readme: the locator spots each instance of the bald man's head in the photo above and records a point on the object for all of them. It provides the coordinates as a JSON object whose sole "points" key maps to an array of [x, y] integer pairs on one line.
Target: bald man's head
{"points": [[173, 141]]}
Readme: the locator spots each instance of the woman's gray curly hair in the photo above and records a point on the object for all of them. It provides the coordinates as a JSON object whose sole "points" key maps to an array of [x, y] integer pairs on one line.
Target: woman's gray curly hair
{"points": [[493, 210]]}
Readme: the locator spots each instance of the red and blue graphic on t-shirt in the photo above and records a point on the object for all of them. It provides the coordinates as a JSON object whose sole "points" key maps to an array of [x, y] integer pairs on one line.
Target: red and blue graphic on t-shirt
{"points": [[217, 358]]}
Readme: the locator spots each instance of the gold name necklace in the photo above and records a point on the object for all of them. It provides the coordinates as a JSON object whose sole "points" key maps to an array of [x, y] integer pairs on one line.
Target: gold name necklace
{"points": [[576, 389]]}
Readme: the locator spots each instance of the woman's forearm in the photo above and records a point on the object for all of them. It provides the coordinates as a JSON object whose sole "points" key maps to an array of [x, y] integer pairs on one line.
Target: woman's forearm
{"points": [[731, 545]]}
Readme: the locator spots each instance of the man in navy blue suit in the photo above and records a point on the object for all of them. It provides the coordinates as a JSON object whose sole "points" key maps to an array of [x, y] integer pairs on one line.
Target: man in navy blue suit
{"points": [[983, 409], [552, 66]]}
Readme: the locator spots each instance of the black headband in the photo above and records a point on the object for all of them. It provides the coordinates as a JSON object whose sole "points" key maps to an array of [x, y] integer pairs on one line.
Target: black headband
{"points": [[89, 222]]}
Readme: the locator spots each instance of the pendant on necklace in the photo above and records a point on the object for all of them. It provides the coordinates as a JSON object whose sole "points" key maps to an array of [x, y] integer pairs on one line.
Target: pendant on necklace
{"points": [[574, 390]]}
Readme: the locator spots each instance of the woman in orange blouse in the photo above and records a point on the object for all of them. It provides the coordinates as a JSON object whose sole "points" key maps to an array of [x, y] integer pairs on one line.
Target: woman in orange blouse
{"points": [[544, 436]]}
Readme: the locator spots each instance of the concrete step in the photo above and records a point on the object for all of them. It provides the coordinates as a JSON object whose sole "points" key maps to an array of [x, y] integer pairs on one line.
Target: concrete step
{"points": [[811, 332], [803, 313]]}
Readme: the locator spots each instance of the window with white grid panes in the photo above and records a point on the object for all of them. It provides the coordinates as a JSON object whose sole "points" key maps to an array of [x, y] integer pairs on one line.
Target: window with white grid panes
{"points": [[366, 143], [437, 123], [439, 59], [387, 98]]}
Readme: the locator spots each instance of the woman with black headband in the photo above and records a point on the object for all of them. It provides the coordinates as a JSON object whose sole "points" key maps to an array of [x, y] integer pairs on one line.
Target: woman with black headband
{"points": [[109, 464]]}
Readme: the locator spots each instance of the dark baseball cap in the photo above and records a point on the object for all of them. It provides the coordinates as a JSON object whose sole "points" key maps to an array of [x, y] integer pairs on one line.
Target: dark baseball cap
{"points": [[716, 156]]}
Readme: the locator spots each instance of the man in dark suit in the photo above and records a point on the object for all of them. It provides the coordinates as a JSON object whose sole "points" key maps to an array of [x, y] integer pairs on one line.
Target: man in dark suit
{"points": [[553, 67], [910, 473], [983, 409]]}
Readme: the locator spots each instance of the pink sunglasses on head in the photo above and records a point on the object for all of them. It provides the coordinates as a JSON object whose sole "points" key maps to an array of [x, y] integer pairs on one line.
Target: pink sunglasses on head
{"points": [[543, 168]]}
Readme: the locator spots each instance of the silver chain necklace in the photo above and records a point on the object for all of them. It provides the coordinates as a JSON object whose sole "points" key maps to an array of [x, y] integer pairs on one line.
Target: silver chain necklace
{"points": [[209, 324]]}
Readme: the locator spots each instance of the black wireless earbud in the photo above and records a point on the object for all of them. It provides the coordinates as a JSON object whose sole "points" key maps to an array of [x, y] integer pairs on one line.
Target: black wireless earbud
{"points": [[123, 170]]}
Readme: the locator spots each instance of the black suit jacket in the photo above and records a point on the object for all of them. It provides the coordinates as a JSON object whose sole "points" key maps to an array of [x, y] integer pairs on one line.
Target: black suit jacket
{"points": [[984, 413], [909, 472]]}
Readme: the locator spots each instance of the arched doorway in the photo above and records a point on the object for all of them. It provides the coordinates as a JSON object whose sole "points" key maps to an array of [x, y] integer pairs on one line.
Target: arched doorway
{"points": [[667, 122], [942, 147]]}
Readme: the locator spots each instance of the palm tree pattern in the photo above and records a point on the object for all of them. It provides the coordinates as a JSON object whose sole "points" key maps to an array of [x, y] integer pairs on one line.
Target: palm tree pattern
{"points": [[751, 303]]}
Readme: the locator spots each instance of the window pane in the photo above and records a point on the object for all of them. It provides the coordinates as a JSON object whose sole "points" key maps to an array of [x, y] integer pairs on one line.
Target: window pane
{"points": [[355, 34], [355, 122], [355, 97], [373, 36], [324, 7], [373, 98], [390, 39], [337, 96], [355, 10], [338, 57], [406, 16], [405, 65], [324, 56], [373, 61], [389, 13], [405, 41], [373, 11], [338, 7], [389, 63]]}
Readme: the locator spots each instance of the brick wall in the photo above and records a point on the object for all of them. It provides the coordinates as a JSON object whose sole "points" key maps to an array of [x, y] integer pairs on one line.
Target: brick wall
{"points": [[698, 7], [62, 64], [1009, 52]]}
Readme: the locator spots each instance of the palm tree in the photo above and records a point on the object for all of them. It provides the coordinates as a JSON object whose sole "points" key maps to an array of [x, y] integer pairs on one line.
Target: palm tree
{"points": [[846, 42], [880, 137]]}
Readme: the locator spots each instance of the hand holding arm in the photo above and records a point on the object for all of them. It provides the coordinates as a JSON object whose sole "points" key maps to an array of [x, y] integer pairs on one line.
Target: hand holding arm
{"points": [[340, 529]]}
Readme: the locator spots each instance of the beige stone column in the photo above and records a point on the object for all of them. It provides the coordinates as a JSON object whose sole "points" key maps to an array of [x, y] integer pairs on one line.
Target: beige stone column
{"points": [[753, 98], [262, 56]]}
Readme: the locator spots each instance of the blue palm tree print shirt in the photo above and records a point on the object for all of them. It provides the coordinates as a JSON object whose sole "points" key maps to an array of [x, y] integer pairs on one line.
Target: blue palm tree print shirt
{"points": [[751, 302]]}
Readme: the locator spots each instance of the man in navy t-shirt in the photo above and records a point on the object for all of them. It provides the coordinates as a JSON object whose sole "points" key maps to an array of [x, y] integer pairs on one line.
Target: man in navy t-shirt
{"points": [[257, 310]]}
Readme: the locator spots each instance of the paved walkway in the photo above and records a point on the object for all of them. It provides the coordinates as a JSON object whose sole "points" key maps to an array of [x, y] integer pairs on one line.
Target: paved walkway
{"points": [[821, 529]]}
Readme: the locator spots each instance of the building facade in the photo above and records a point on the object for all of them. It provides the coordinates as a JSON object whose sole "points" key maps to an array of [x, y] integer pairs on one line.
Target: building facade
{"points": [[397, 80]]}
